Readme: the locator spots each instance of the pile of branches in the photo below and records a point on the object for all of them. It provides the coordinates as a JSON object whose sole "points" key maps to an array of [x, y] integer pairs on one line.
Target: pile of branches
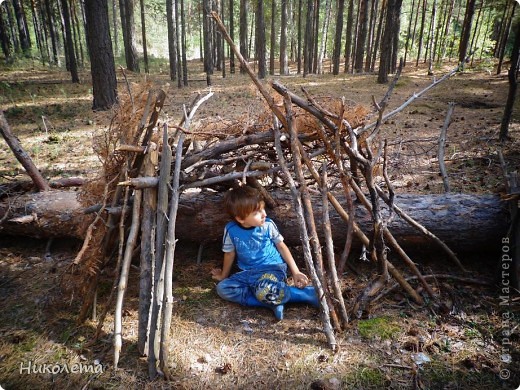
{"points": [[301, 144]]}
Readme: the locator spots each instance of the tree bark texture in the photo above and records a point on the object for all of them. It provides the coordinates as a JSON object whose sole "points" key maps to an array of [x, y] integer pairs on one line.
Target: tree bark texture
{"points": [[102, 66], [464, 222]]}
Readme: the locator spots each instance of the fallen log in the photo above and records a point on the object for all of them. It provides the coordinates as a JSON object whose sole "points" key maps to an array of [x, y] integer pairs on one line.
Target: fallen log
{"points": [[465, 222]]}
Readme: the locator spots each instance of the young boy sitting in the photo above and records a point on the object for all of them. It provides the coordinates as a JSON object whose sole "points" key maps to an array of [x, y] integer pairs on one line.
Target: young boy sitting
{"points": [[262, 256]]}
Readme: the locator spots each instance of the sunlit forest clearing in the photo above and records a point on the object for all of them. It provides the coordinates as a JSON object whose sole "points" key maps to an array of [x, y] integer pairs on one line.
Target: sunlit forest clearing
{"points": [[383, 137], [220, 345]]}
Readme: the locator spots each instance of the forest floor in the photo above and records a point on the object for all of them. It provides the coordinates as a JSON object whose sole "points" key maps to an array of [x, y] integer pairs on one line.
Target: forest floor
{"points": [[219, 345]]}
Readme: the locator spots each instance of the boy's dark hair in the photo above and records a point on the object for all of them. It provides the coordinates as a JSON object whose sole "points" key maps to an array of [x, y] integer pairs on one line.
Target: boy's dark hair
{"points": [[242, 201]]}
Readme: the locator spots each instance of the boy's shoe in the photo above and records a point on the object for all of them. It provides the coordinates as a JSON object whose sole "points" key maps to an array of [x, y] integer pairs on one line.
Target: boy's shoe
{"points": [[277, 309], [304, 295]]}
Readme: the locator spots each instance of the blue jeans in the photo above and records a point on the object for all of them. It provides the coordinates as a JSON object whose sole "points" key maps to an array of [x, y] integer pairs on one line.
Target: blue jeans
{"points": [[267, 284]]}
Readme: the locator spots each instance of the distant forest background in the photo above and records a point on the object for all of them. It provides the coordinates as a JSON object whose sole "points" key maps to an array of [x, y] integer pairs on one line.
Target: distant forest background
{"points": [[276, 37], [356, 35]]}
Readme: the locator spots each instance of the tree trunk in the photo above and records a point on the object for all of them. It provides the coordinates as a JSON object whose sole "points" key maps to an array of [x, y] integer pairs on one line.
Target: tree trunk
{"points": [[172, 42], [431, 38], [284, 65], [260, 39], [115, 28], [143, 35], [361, 36], [232, 35], [513, 86], [466, 30], [71, 55], [377, 45], [348, 35], [128, 24], [308, 40], [4, 33], [323, 34], [409, 38], [104, 83], [337, 37], [23, 31], [390, 40], [12, 27], [178, 44], [299, 50], [272, 50], [208, 42], [183, 46], [243, 32], [464, 222], [504, 39], [421, 31]]}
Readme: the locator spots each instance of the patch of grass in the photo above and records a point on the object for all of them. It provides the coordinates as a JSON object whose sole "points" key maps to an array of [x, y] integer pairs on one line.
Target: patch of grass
{"points": [[472, 333], [380, 327], [365, 378], [437, 375]]}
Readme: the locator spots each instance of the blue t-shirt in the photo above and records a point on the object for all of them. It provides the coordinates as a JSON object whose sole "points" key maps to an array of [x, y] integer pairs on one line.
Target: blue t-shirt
{"points": [[254, 247]]}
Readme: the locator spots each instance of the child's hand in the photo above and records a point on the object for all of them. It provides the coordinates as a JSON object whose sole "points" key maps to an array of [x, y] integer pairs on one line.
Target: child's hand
{"points": [[300, 280], [216, 274]]}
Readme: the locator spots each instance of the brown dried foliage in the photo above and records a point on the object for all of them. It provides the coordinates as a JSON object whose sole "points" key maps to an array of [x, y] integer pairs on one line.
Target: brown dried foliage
{"points": [[255, 121], [123, 129]]}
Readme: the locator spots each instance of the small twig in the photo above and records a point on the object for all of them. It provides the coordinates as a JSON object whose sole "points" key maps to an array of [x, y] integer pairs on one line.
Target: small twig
{"points": [[442, 143], [246, 168], [123, 278], [45, 124], [410, 100], [389, 186], [128, 87], [381, 106], [92, 226], [436, 276]]}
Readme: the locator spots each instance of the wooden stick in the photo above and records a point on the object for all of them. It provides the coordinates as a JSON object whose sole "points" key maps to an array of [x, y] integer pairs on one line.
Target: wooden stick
{"points": [[168, 263], [140, 182], [147, 255], [329, 332], [159, 103], [158, 293], [144, 118], [442, 144], [389, 186], [123, 279], [131, 148], [435, 277], [329, 249], [410, 100], [22, 156]]}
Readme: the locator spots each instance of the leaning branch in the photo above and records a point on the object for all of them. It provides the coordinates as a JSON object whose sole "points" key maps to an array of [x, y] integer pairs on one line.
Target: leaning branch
{"points": [[22, 156], [410, 100], [268, 98]]}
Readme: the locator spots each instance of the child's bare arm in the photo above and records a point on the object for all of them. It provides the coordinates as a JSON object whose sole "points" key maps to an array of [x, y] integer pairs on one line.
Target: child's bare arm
{"points": [[300, 279], [220, 274]]}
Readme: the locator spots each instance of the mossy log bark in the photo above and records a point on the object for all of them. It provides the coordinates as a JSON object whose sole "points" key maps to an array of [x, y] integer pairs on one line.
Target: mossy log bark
{"points": [[464, 222]]}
